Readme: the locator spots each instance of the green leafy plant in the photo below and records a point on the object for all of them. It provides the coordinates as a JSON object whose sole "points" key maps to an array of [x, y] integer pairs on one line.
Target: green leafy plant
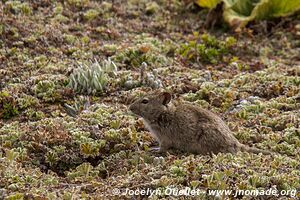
{"points": [[27, 101], [151, 8], [141, 53], [81, 103], [34, 115], [237, 13], [15, 196], [89, 149], [8, 105], [177, 171], [206, 49], [17, 7], [46, 90], [85, 171], [91, 14], [51, 157], [92, 78], [78, 3]]}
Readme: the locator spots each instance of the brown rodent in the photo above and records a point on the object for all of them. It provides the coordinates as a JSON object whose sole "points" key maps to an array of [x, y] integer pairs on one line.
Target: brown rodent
{"points": [[186, 127]]}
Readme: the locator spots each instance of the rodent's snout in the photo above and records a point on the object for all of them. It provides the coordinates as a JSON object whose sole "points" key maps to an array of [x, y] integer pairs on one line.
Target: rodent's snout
{"points": [[135, 109], [132, 105], [132, 108]]}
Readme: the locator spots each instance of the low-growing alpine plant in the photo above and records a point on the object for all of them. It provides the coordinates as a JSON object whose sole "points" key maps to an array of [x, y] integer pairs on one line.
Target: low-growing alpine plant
{"points": [[69, 134], [92, 78]]}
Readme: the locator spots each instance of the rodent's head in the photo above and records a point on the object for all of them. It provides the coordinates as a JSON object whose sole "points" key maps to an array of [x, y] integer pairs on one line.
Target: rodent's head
{"points": [[151, 106]]}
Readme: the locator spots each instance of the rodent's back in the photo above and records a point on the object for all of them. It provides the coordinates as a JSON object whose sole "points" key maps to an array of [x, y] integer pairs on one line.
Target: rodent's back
{"points": [[202, 116], [209, 131], [197, 130]]}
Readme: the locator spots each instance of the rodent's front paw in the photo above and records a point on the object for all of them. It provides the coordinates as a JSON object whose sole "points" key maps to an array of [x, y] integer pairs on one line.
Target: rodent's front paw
{"points": [[154, 149], [157, 150]]}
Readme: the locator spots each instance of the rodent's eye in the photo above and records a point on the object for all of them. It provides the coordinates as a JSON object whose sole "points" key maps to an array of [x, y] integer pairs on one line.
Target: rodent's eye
{"points": [[145, 101]]}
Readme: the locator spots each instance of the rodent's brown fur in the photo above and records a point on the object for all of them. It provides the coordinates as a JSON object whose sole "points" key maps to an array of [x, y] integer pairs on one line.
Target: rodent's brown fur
{"points": [[186, 127]]}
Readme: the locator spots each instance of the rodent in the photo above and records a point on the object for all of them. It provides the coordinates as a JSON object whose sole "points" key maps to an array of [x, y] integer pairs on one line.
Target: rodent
{"points": [[186, 127]]}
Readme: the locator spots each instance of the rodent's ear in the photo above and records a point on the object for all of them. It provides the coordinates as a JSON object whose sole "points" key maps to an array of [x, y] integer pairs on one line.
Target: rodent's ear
{"points": [[165, 97]]}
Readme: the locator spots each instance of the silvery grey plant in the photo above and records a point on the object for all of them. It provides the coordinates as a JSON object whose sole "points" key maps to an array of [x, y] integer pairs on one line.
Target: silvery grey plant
{"points": [[146, 78], [93, 77]]}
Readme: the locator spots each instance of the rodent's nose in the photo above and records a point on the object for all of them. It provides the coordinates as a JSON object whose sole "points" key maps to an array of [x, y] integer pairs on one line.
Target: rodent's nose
{"points": [[131, 107]]}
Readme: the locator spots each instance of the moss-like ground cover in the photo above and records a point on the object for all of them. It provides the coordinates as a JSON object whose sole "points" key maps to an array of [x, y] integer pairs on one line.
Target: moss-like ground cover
{"points": [[59, 144]]}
